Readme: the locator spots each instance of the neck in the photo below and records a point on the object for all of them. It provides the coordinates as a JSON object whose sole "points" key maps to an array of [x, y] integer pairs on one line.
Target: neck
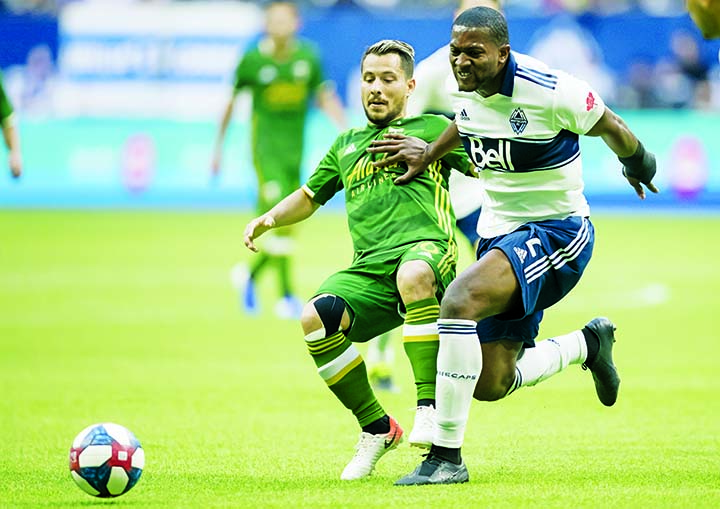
{"points": [[493, 86], [280, 48]]}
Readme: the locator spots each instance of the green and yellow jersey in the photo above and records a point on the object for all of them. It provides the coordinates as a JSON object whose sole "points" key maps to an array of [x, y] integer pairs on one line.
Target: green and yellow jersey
{"points": [[282, 92], [6, 109], [384, 217]]}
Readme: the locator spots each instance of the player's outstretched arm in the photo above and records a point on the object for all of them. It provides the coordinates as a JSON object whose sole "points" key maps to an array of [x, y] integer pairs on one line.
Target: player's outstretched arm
{"points": [[330, 103], [12, 141], [639, 165], [220, 139], [294, 208], [414, 152]]}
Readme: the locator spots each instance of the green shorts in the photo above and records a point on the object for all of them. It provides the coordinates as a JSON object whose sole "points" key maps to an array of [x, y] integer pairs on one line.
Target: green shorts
{"points": [[369, 287]]}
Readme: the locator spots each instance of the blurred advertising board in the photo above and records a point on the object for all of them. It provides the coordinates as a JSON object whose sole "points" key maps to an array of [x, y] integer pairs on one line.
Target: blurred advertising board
{"points": [[150, 59], [121, 162]]}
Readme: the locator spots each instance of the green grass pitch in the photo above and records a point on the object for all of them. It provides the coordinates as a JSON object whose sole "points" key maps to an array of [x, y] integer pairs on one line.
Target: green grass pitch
{"points": [[130, 317]]}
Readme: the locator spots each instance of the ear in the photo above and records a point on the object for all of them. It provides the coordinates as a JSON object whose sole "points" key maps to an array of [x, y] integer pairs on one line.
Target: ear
{"points": [[410, 86], [504, 53]]}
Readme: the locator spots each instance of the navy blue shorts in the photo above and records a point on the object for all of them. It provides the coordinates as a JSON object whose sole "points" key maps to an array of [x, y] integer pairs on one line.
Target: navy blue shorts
{"points": [[548, 258]]}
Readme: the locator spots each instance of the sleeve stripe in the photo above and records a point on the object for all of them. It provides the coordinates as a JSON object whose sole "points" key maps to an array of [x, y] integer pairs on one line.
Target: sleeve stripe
{"points": [[308, 191]]}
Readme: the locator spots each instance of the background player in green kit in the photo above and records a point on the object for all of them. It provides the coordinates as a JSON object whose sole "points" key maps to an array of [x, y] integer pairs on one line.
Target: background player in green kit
{"points": [[284, 76], [10, 134], [405, 255]]}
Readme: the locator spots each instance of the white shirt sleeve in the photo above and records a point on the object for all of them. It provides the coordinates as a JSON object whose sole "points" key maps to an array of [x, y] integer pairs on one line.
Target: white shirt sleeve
{"points": [[430, 93], [578, 106]]}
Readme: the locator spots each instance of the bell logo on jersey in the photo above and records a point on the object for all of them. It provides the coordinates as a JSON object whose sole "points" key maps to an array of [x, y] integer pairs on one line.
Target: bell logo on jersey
{"points": [[518, 120], [490, 158]]}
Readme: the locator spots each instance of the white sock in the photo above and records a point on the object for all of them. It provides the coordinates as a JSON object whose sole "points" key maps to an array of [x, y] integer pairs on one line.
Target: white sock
{"points": [[458, 367], [549, 357]]}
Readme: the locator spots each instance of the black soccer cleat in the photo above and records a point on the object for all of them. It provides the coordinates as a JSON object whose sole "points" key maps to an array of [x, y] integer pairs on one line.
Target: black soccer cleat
{"points": [[434, 470], [604, 372]]}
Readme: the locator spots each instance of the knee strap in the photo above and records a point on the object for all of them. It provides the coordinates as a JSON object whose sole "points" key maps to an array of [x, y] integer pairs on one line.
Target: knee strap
{"points": [[330, 308]]}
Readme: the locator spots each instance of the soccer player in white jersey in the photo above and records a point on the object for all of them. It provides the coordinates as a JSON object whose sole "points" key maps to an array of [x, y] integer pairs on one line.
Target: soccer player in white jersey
{"points": [[520, 123]]}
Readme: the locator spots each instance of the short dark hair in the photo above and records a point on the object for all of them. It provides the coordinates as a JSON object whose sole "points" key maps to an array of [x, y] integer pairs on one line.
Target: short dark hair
{"points": [[485, 17], [400, 48]]}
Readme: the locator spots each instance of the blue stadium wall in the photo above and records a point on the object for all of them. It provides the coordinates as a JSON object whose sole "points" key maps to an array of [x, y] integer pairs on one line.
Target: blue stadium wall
{"points": [[128, 162]]}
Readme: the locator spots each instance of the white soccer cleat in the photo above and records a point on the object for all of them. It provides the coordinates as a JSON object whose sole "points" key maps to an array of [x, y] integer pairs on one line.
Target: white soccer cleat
{"points": [[423, 427], [369, 449]]}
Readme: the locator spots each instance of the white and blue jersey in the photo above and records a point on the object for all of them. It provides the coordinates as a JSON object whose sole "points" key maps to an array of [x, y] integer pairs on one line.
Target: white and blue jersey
{"points": [[524, 141]]}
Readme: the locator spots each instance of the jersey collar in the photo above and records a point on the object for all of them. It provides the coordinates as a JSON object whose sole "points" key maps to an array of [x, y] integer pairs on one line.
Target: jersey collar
{"points": [[508, 83], [395, 123]]}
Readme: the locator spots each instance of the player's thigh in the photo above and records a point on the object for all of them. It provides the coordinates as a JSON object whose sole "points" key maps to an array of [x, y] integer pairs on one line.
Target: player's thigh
{"points": [[486, 288], [372, 299], [440, 258], [547, 258]]}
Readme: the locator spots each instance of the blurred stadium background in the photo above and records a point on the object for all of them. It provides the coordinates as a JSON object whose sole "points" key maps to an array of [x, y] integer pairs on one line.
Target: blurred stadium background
{"points": [[136, 89], [115, 310]]}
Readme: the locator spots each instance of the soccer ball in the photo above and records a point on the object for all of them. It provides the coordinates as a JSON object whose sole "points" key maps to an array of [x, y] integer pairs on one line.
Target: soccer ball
{"points": [[106, 460]]}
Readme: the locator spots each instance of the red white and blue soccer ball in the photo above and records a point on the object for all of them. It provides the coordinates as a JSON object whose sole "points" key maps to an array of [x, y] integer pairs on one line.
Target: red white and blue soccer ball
{"points": [[106, 460]]}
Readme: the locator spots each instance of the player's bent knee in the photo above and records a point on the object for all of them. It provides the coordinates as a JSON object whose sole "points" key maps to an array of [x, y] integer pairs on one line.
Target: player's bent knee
{"points": [[458, 304], [309, 319], [329, 309], [418, 277]]}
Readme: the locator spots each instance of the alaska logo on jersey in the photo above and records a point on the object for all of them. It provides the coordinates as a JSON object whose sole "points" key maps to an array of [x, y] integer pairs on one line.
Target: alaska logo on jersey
{"points": [[489, 153], [518, 120]]}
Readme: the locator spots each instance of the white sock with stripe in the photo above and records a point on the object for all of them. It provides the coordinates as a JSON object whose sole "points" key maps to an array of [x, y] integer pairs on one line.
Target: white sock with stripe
{"points": [[458, 367], [549, 357]]}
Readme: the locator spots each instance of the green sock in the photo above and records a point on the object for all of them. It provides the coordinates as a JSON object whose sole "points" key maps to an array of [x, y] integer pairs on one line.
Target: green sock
{"points": [[421, 343], [343, 369], [258, 265]]}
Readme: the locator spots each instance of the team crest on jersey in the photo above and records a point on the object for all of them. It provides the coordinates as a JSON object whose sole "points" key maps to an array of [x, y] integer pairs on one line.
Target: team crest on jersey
{"points": [[518, 120]]}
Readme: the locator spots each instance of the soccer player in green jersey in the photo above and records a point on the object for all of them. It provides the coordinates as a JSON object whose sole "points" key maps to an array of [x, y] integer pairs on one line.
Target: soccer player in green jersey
{"points": [[405, 253], [10, 133], [284, 76]]}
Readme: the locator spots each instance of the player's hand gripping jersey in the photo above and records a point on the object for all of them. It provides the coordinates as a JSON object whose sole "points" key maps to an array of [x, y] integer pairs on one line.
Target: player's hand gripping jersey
{"points": [[383, 216]]}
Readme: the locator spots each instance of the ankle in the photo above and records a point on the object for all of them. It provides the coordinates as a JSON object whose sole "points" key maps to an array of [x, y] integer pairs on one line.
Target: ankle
{"points": [[379, 426], [447, 453], [593, 345]]}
